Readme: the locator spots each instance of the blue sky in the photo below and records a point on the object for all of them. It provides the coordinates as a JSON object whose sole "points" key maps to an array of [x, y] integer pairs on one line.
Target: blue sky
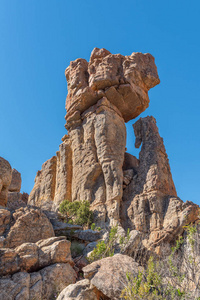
{"points": [[40, 38]]}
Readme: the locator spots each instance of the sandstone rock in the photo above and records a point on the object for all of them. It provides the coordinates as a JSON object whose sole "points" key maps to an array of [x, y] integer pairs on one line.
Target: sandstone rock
{"points": [[43, 192], [30, 225], [108, 275], [16, 200], [90, 247], [124, 80], [53, 182], [63, 174], [98, 145], [16, 182], [128, 176], [4, 220], [42, 285], [130, 162], [55, 278], [15, 287], [79, 291], [88, 235], [102, 94], [150, 204], [34, 256], [5, 180]]}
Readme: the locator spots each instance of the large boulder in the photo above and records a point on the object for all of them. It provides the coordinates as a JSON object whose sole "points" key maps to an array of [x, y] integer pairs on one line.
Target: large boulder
{"points": [[108, 275], [45, 284], [5, 180], [26, 225], [35, 256], [16, 181], [124, 80], [36, 270], [82, 290]]}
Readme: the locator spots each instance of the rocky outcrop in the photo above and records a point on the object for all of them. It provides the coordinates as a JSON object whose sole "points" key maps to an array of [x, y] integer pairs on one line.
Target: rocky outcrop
{"points": [[82, 290], [35, 256], [53, 182], [16, 182], [102, 94], [10, 185], [123, 80], [98, 145], [104, 279], [33, 263], [150, 203], [45, 284], [5, 180], [23, 226]]}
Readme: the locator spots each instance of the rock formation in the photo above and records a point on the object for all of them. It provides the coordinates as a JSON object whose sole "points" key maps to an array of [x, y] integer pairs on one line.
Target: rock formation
{"points": [[92, 164], [5, 180], [105, 279], [102, 95], [49, 262], [150, 203], [10, 186], [25, 225], [16, 182], [53, 182], [34, 264]]}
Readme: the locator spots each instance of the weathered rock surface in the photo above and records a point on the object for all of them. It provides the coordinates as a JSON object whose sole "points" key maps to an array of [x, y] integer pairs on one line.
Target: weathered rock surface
{"points": [[102, 94], [79, 291], [34, 256], [53, 182], [5, 180], [150, 204], [4, 220], [42, 285], [98, 145], [26, 225], [16, 200], [88, 235], [123, 80], [43, 192], [16, 181], [108, 275]]}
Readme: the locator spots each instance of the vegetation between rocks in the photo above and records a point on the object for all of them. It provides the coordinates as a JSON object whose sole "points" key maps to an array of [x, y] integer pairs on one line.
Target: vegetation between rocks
{"points": [[172, 278], [106, 249], [77, 212]]}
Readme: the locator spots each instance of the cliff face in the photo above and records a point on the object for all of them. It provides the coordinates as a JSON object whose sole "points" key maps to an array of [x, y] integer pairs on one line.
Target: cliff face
{"points": [[92, 164]]}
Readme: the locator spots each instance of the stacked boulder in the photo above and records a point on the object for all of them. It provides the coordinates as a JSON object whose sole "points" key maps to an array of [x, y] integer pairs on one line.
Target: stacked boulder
{"points": [[34, 264]]}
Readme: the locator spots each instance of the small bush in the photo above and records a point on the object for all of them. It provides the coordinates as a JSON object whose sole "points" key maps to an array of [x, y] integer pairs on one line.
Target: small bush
{"points": [[93, 226], [77, 212], [104, 249]]}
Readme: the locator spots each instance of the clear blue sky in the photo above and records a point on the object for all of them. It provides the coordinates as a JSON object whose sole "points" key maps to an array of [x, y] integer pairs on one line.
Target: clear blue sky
{"points": [[40, 38]]}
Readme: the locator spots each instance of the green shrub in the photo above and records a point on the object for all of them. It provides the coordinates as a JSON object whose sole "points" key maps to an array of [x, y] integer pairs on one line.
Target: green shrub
{"points": [[77, 212], [93, 226], [104, 249]]}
